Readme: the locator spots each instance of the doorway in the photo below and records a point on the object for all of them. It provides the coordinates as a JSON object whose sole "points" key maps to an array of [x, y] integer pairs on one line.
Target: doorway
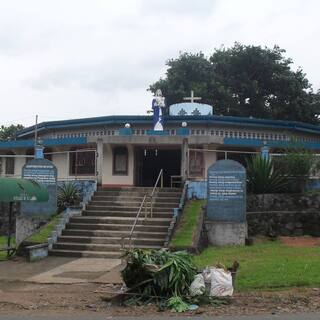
{"points": [[149, 162]]}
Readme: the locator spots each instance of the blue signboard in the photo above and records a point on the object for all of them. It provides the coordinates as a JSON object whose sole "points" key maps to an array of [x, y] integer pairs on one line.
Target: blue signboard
{"points": [[45, 172], [226, 192]]}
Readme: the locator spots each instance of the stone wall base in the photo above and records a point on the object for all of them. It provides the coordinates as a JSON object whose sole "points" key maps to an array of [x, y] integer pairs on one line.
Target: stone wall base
{"points": [[226, 233]]}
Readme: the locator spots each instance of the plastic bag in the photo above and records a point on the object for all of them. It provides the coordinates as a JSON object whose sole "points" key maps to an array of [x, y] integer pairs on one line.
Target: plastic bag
{"points": [[221, 283], [197, 286]]}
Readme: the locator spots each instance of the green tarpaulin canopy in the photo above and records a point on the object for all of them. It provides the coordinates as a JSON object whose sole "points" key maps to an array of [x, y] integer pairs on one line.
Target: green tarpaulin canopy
{"points": [[13, 190]]}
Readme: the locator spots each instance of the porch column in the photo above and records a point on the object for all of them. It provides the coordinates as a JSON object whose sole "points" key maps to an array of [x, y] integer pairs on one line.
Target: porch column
{"points": [[184, 159], [99, 160]]}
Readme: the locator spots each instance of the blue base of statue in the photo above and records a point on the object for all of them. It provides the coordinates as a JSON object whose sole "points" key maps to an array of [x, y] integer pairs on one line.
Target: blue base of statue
{"points": [[157, 133], [183, 132], [125, 132]]}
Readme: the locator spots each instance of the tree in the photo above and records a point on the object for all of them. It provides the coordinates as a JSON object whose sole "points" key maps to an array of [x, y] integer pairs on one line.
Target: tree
{"points": [[9, 133], [243, 81]]}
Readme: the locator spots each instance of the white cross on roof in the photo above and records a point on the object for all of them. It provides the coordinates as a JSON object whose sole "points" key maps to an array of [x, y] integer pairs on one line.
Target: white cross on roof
{"points": [[192, 98]]}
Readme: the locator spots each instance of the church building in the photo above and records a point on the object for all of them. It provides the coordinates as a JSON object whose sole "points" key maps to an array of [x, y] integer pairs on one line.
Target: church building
{"points": [[132, 150]]}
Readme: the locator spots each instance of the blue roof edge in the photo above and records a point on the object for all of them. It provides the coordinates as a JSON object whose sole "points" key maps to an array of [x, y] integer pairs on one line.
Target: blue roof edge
{"points": [[121, 120], [46, 142]]}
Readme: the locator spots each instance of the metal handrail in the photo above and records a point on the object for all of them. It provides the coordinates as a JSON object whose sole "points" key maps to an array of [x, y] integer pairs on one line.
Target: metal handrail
{"points": [[160, 176], [134, 225]]}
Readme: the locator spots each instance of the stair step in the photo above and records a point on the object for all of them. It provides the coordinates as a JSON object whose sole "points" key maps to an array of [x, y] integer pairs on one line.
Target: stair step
{"points": [[113, 233], [86, 246], [136, 194], [124, 206], [85, 254], [133, 209], [124, 199], [132, 214], [141, 189], [110, 240], [96, 247], [120, 220], [117, 227]]}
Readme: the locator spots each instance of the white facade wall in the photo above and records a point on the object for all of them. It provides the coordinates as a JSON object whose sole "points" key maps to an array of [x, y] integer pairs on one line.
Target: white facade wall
{"points": [[210, 157], [61, 161], [107, 168]]}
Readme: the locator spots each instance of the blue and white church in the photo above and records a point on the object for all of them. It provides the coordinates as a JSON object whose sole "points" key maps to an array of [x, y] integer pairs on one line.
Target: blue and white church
{"points": [[131, 150]]}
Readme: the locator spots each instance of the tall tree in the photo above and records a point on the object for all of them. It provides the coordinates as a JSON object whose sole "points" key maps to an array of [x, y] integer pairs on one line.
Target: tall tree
{"points": [[243, 81], [9, 133]]}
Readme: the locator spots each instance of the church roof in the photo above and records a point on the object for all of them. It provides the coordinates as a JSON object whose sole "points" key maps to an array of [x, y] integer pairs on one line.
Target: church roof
{"points": [[200, 120]]}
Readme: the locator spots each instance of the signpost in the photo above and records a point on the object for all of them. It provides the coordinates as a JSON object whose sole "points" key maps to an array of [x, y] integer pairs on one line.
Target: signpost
{"points": [[226, 209], [44, 172]]}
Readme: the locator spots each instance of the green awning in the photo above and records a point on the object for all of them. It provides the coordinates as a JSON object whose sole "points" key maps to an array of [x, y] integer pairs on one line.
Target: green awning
{"points": [[12, 190]]}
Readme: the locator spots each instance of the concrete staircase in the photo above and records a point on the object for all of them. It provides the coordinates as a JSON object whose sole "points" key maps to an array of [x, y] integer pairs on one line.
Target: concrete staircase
{"points": [[97, 233]]}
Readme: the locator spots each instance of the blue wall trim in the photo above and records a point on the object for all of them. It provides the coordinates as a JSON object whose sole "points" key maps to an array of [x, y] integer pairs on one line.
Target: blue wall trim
{"points": [[270, 143], [46, 143]]}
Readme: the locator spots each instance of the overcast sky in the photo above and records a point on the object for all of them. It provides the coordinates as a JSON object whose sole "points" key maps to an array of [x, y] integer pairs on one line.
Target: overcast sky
{"points": [[84, 58]]}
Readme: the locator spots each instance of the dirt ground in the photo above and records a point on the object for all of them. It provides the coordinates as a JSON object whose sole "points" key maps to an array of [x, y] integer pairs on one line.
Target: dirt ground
{"points": [[19, 296], [300, 241], [48, 286]]}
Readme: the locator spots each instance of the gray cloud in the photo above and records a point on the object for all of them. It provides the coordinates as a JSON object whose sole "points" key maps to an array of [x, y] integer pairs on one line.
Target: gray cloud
{"points": [[98, 54]]}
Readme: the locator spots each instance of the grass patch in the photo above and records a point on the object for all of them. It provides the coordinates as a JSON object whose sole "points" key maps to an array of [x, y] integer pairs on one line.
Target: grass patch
{"points": [[267, 265], [3, 244], [44, 232], [188, 225]]}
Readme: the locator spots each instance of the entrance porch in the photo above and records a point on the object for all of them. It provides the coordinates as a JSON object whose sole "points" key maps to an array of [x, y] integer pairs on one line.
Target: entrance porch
{"points": [[149, 161]]}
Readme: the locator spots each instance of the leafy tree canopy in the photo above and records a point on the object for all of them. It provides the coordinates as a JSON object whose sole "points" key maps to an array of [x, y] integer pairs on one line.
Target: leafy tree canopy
{"points": [[243, 81], [9, 133]]}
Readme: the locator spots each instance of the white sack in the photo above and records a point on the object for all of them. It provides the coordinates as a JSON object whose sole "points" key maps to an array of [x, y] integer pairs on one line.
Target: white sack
{"points": [[197, 286], [221, 283]]}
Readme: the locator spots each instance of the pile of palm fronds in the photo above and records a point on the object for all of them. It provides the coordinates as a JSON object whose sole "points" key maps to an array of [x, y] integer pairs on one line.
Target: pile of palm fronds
{"points": [[158, 273]]}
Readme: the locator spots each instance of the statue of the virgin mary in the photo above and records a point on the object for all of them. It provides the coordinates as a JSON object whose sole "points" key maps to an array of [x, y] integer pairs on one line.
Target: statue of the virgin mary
{"points": [[158, 103]]}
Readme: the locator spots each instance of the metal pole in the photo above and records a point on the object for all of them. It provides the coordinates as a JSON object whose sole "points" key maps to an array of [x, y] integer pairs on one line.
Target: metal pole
{"points": [[36, 134], [9, 229], [162, 179]]}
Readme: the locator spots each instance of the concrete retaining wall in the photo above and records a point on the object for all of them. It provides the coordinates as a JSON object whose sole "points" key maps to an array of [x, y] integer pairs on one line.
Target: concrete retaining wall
{"points": [[284, 223]]}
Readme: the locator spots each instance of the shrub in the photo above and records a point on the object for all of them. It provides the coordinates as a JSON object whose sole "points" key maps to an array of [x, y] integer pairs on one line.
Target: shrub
{"points": [[262, 177], [68, 195], [297, 164]]}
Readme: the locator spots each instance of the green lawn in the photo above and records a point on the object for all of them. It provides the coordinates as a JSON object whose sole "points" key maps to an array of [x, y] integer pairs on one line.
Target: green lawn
{"points": [[267, 265], [188, 225], [44, 232]]}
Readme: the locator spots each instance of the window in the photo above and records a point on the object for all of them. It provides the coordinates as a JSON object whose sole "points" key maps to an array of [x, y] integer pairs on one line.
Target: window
{"points": [[82, 162], [47, 153], [10, 163], [120, 161], [196, 164]]}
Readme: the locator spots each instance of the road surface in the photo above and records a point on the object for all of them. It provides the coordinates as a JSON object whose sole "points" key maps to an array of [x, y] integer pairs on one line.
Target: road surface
{"points": [[99, 316]]}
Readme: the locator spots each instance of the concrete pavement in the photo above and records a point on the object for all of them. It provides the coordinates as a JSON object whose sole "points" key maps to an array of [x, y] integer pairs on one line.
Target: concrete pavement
{"points": [[59, 270]]}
